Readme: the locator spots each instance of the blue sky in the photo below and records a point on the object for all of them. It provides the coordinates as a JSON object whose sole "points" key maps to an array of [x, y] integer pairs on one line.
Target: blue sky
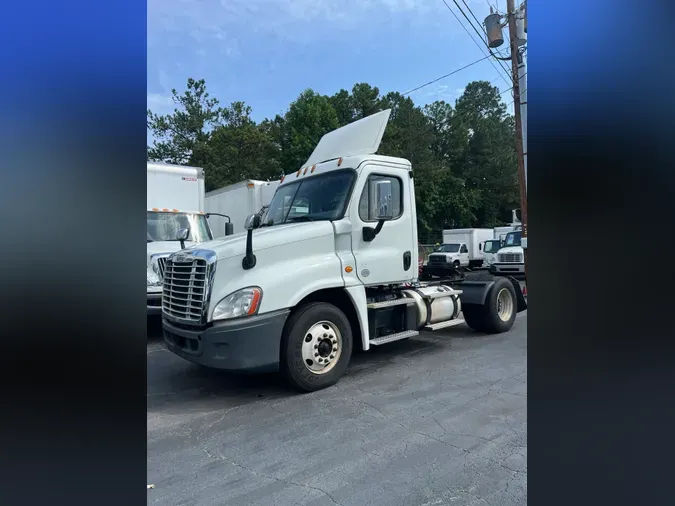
{"points": [[265, 52]]}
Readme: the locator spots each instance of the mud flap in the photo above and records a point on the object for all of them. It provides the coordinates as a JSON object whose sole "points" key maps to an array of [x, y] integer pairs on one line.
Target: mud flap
{"points": [[522, 303]]}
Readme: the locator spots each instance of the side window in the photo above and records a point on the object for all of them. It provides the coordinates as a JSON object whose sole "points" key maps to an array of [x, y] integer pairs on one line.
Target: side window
{"points": [[396, 194], [464, 249]]}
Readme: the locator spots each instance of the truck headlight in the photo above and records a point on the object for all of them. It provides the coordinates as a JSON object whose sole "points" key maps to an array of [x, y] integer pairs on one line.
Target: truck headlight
{"points": [[153, 278], [244, 302]]}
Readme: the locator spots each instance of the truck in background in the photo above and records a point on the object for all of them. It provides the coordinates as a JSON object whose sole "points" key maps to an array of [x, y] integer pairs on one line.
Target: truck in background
{"points": [[490, 249], [510, 257], [238, 201], [462, 247], [175, 220], [333, 268]]}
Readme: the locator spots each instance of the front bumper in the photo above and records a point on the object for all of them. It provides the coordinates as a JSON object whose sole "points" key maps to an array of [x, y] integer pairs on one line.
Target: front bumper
{"points": [[154, 304], [242, 344], [498, 268], [439, 269]]}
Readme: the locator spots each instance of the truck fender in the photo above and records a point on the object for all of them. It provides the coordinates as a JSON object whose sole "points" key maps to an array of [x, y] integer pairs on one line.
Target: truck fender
{"points": [[357, 294], [475, 292]]}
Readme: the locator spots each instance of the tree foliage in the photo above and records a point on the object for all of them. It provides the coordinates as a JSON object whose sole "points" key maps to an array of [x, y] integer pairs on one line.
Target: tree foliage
{"points": [[463, 157]]}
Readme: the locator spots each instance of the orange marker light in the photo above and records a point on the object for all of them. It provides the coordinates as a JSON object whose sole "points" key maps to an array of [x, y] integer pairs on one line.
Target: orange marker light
{"points": [[250, 185], [298, 173], [305, 171], [348, 268], [313, 168], [254, 302], [282, 179], [155, 209], [175, 210], [164, 209], [339, 161]]}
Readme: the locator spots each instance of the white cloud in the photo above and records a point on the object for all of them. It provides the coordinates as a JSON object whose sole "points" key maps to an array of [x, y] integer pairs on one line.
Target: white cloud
{"points": [[213, 21], [160, 103]]}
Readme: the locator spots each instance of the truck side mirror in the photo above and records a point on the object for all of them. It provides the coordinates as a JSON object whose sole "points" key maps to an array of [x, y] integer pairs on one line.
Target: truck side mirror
{"points": [[381, 205], [182, 236], [249, 260], [229, 228], [253, 221]]}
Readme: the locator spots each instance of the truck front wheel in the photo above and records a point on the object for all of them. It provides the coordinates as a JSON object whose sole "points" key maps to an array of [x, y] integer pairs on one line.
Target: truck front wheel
{"points": [[316, 346], [498, 312]]}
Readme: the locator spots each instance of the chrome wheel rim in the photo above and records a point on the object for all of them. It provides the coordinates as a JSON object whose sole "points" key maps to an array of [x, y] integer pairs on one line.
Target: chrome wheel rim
{"points": [[504, 305], [321, 347]]}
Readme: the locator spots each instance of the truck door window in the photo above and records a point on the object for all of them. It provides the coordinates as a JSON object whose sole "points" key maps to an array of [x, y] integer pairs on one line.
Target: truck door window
{"points": [[397, 197], [464, 249]]}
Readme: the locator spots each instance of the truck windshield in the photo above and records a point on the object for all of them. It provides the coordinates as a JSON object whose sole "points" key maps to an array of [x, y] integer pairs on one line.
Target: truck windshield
{"points": [[513, 239], [316, 198], [163, 226], [448, 248], [491, 246]]}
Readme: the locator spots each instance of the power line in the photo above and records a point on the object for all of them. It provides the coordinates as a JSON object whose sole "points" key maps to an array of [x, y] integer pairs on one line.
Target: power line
{"points": [[480, 47], [455, 117], [445, 75]]}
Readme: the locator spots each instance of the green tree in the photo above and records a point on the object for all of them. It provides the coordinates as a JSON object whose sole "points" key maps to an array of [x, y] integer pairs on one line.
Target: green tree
{"points": [[183, 136], [308, 119], [239, 149]]}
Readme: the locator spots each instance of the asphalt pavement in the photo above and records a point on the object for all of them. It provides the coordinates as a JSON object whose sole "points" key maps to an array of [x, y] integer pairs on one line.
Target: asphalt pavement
{"points": [[433, 420]]}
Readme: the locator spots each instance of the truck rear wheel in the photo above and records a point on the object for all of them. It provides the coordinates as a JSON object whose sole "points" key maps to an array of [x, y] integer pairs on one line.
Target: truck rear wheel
{"points": [[316, 346], [498, 312]]}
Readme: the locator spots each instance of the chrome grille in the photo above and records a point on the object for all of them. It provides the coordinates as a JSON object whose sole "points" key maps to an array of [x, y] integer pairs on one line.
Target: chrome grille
{"points": [[510, 258], [185, 293], [161, 264]]}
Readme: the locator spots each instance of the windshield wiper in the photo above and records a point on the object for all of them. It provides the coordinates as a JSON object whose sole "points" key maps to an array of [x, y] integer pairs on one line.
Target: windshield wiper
{"points": [[300, 218]]}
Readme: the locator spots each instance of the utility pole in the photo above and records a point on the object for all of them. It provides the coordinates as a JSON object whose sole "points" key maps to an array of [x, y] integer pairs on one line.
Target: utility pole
{"points": [[522, 181]]}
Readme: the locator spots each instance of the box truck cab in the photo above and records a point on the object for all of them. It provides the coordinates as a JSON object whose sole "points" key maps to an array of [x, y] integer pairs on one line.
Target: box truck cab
{"points": [[490, 249], [175, 204], [333, 266]]}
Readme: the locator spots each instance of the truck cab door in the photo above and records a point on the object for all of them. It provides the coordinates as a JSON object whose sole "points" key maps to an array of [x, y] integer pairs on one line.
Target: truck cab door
{"points": [[387, 258], [463, 255]]}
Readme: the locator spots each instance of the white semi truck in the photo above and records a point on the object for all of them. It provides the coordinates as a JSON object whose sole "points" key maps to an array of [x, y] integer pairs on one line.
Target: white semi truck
{"points": [[237, 202], [510, 257], [332, 267], [175, 202]]}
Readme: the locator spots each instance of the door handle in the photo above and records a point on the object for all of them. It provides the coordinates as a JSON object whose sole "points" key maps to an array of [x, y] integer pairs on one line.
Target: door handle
{"points": [[407, 260]]}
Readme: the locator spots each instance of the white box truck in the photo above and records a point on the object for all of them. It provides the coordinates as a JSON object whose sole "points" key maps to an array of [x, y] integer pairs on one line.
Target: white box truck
{"points": [[238, 201], [332, 268], [462, 247], [175, 204]]}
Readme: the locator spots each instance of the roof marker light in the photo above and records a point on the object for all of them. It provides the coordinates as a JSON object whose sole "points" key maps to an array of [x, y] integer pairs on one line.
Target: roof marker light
{"points": [[339, 161], [313, 168]]}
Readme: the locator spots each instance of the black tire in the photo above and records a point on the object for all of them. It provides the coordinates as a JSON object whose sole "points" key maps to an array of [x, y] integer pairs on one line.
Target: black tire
{"points": [[473, 316], [455, 264], [485, 318], [292, 365]]}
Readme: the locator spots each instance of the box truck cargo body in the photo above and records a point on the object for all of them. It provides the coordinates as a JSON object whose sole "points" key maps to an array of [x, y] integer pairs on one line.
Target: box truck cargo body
{"points": [[238, 201], [473, 238]]}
